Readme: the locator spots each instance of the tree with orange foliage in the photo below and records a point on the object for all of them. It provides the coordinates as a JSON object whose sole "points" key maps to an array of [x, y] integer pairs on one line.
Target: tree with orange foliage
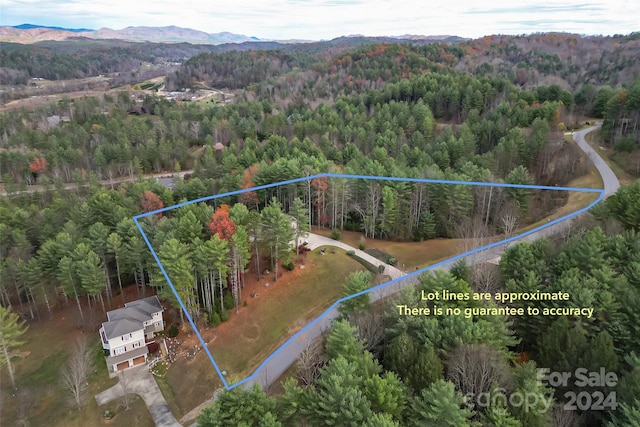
{"points": [[249, 198], [149, 201], [221, 225], [38, 165]]}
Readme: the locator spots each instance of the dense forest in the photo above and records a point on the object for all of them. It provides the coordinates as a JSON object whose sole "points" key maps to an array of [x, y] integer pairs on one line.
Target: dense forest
{"points": [[421, 370], [380, 110]]}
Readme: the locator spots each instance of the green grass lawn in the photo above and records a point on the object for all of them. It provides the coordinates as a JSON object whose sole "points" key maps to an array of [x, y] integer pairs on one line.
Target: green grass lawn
{"points": [[411, 254], [42, 400], [279, 311]]}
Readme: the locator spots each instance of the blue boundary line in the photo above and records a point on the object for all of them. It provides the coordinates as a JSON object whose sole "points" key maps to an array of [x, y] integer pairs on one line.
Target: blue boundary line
{"points": [[336, 303]]}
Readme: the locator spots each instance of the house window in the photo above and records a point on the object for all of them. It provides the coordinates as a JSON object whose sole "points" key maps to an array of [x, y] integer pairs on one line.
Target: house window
{"points": [[156, 324], [119, 350], [136, 344], [127, 337]]}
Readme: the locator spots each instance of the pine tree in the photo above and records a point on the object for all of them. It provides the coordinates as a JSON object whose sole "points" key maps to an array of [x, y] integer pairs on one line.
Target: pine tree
{"points": [[116, 247], [439, 404], [357, 281], [301, 215], [240, 256], [240, 407], [277, 232], [11, 330]]}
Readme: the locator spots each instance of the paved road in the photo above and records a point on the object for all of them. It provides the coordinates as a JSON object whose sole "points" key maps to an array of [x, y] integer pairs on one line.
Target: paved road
{"points": [[105, 182], [141, 382], [273, 367], [611, 183], [315, 241]]}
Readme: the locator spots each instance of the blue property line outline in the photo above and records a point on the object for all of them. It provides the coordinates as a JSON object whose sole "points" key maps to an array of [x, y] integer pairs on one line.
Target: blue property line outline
{"points": [[366, 291]]}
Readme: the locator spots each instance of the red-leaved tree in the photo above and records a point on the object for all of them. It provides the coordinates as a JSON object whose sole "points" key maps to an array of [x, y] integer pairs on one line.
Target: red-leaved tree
{"points": [[38, 165], [249, 198], [220, 223], [149, 201]]}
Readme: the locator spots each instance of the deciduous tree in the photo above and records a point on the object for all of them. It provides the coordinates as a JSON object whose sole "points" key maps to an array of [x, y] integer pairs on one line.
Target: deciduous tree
{"points": [[76, 373]]}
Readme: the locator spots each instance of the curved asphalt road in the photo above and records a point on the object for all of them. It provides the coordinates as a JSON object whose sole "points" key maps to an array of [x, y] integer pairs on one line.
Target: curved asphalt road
{"points": [[276, 365], [611, 183]]}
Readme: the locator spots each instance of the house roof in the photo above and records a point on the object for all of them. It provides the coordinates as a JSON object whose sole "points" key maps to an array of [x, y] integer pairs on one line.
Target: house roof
{"points": [[121, 327], [129, 355], [131, 317], [148, 305]]}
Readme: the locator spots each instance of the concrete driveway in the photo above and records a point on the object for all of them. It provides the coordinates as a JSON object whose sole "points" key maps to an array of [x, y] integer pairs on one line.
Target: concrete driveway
{"points": [[140, 381], [315, 241]]}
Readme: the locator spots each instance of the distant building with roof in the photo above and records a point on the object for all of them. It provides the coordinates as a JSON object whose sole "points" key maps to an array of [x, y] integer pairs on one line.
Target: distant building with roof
{"points": [[128, 330]]}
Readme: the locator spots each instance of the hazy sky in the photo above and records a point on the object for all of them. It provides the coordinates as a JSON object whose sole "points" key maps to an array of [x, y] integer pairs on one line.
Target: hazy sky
{"points": [[325, 19]]}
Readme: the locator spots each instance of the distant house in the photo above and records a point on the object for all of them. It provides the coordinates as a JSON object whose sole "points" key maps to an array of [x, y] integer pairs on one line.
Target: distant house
{"points": [[128, 330]]}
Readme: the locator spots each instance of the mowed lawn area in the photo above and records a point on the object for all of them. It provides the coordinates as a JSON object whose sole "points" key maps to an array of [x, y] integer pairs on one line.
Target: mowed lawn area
{"points": [[279, 311], [41, 400], [411, 254]]}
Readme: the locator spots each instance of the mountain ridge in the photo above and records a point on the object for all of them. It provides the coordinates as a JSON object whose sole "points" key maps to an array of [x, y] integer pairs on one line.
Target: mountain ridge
{"points": [[33, 33]]}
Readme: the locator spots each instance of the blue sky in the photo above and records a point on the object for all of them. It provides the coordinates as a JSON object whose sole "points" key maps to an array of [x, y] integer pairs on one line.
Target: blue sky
{"points": [[325, 19]]}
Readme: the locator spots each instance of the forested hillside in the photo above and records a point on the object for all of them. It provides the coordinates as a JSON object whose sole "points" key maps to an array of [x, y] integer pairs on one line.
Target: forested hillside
{"points": [[384, 110], [463, 370]]}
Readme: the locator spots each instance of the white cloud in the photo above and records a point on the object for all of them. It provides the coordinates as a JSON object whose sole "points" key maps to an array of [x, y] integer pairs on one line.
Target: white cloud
{"points": [[317, 19]]}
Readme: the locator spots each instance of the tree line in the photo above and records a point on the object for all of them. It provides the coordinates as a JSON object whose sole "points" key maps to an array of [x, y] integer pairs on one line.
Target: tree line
{"points": [[395, 370]]}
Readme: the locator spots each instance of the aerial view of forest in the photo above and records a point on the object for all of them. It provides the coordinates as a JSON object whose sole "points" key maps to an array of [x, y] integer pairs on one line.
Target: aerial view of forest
{"points": [[306, 172]]}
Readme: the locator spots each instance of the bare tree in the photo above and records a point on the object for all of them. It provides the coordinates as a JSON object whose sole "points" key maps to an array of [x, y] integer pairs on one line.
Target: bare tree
{"points": [[473, 234], [509, 219], [563, 418], [486, 278], [370, 326], [310, 362], [478, 368], [76, 373]]}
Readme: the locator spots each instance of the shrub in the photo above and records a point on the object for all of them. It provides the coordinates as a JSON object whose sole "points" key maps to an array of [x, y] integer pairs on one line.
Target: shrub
{"points": [[335, 234], [228, 301], [382, 256], [351, 252], [381, 268], [625, 145], [214, 318], [289, 266], [172, 332], [224, 316], [361, 246], [366, 264]]}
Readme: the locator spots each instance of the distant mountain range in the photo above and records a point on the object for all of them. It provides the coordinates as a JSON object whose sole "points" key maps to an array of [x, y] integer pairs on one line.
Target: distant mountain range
{"points": [[32, 26], [30, 33]]}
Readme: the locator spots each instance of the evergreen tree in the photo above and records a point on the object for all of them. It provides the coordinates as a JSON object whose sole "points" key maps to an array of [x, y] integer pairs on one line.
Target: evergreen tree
{"points": [[301, 215], [240, 407], [439, 404], [11, 330], [277, 233], [357, 281]]}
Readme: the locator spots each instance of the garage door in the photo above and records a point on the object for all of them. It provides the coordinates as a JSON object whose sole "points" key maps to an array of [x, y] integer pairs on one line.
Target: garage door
{"points": [[138, 360], [123, 365]]}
